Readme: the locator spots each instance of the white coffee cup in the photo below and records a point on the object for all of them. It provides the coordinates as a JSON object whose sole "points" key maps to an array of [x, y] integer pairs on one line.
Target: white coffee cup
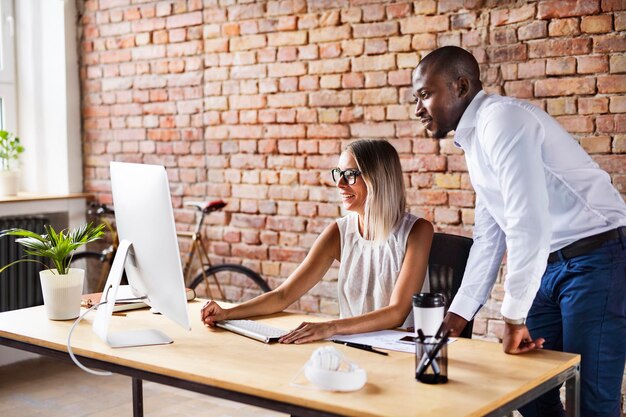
{"points": [[428, 312]]}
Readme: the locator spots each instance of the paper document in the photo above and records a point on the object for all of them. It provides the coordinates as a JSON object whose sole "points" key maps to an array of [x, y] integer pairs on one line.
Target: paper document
{"points": [[383, 339]]}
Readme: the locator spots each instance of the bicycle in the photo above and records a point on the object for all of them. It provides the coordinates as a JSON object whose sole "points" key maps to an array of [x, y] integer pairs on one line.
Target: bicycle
{"points": [[242, 283], [106, 256], [247, 283]]}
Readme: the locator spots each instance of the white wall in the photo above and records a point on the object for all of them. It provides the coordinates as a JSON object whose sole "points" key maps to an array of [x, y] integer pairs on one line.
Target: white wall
{"points": [[48, 96]]}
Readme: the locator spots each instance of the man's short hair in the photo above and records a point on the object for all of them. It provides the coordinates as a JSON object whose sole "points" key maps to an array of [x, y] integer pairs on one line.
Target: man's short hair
{"points": [[453, 62]]}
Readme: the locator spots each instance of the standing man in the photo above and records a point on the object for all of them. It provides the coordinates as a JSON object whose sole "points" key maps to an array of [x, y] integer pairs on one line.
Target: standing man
{"points": [[542, 198]]}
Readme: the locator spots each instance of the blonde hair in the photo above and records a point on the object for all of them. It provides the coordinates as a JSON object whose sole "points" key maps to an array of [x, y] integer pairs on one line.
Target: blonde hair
{"points": [[380, 168]]}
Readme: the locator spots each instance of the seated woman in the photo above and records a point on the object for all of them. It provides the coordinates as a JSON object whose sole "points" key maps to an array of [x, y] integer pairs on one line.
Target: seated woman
{"points": [[383, 253]]}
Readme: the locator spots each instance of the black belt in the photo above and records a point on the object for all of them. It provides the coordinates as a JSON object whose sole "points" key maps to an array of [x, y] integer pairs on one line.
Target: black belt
{"points": [[586, 244]]}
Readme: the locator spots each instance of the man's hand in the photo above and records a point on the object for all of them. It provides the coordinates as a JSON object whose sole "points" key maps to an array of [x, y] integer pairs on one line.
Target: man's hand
{"points": [[454, 323], [516, 339]]}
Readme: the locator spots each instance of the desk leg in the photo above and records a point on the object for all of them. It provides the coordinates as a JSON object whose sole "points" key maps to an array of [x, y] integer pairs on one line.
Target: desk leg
{"points": [[572, 394], [137, 397]]}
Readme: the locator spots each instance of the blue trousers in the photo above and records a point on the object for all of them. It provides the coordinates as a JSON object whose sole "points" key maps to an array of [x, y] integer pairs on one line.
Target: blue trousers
{"points": [[581, 308]]}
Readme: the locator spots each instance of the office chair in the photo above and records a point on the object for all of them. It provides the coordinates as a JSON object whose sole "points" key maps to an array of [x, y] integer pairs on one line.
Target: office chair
{"points": [[446, 266]]}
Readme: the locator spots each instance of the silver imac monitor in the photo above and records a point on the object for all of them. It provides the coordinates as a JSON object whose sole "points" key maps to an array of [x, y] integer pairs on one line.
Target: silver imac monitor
{"points": [[148, 251]]}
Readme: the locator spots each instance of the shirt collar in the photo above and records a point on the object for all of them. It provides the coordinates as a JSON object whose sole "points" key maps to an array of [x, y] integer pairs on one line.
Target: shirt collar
{"points": [[467, 124]]}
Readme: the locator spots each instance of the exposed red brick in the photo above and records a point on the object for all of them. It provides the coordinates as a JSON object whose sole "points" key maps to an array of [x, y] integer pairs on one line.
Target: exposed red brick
{"points": [[596, 144], [285, 7], [508, 53], [592, 64], [186, 19], [576, 124], [564, 27], [613, 164], [593, 105], [508, 15], [426, 197], [329, 66], [559, 47], [519, 89], [608, 84], [352, 80], [566, 8], [561, 66], [287, 38], [375, 46], [617, 63], [609, 43], [503, 36], [329, 50], [330, 98], [596, 24], [424, 24], [564, 86], [395, 11], [375, 30], [612, 5], [374, 63], [619, 22], [329, 34], [618, 104], [611, 123], [328, 131]]}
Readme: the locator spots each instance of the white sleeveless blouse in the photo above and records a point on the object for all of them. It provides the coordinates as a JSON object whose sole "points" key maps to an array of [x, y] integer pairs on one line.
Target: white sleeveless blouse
{"points": [[368, 272]]}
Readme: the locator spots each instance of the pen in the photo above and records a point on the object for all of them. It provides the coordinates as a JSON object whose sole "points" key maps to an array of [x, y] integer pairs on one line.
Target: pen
{"points": [[361, 346], [433, 354]]}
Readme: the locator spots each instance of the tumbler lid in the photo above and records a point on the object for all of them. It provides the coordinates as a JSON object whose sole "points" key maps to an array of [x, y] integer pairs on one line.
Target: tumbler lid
{"points": [[428, 299]]}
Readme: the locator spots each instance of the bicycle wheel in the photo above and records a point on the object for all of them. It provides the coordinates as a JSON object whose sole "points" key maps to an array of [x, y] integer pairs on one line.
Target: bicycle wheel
{"points": [[237, 282]]}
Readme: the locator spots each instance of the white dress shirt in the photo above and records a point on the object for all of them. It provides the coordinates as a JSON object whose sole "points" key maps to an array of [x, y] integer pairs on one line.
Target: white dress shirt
{"points": [[537, 191]]}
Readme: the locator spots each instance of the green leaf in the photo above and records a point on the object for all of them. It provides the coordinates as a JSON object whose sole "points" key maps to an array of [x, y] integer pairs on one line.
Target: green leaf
{"points": [[21, 260], [56, 246], [22, 233]]}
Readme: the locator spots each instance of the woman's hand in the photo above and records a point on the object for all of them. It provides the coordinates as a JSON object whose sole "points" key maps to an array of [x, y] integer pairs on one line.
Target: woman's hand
{"points": [[211, 312], [309, 332]]}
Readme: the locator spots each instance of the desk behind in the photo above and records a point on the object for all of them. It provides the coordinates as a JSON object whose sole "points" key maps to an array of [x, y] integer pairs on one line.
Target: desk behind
{"points": [[483, 379]]}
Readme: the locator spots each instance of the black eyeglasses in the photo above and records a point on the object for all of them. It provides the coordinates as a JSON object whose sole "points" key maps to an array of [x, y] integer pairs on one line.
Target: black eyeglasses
{"points": [[349, 175]]}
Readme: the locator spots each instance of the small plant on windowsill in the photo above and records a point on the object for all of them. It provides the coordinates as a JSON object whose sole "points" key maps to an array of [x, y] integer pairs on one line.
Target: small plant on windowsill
{"points": [[10, 150], [61, 286]]}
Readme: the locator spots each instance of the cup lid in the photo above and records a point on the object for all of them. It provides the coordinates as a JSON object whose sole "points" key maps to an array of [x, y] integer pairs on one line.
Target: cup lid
{"points": [[428, 299]]}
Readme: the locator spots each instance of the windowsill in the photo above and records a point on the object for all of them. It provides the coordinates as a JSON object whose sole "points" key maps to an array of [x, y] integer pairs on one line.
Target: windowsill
{"points": [[28, 197], [73, 206]]}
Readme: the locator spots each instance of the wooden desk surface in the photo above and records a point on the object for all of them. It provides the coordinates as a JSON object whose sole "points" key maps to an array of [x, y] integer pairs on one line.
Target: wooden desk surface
{"points": [[482, 377]]}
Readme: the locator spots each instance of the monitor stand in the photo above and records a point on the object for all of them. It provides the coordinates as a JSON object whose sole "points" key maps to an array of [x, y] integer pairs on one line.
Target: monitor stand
{"points": [[104, 312]]}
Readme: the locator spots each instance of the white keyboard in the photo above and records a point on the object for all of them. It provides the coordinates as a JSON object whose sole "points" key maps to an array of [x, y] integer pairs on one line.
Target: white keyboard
{"points": [[253, 329]]}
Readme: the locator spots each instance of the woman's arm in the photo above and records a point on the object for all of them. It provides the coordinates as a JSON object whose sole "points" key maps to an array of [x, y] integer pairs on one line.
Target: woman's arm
{"points": [[317, 262], [410, 281]]}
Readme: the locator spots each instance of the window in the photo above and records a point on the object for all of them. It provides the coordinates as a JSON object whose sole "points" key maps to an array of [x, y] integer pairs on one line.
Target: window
{"points": [[8, 103]]}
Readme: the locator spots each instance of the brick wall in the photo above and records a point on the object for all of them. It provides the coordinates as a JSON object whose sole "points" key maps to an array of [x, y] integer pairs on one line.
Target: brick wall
{"points": [[253, 101]]}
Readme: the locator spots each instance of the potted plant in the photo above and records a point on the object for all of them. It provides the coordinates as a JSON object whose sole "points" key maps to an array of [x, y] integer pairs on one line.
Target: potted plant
{"points": [[10, 150], [61, 285]]}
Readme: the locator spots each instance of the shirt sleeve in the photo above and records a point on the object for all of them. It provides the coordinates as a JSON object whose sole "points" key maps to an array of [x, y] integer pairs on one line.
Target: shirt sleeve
{"points": [[482, 265], [512, 137]]}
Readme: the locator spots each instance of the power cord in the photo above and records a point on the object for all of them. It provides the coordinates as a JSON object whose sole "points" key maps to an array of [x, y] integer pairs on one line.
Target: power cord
{"points": [[78, 320]]}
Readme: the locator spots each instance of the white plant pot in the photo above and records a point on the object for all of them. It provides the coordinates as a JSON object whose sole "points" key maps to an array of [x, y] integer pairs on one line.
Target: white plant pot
{"points": [[61, 293], [9, 182]]}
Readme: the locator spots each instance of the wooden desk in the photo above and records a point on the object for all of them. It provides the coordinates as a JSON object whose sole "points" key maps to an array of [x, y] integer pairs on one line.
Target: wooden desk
{"points": [[483, 380]]}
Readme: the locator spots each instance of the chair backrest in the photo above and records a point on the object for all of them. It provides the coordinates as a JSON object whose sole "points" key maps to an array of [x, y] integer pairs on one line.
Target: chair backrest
{"points": [[446, 266]]}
